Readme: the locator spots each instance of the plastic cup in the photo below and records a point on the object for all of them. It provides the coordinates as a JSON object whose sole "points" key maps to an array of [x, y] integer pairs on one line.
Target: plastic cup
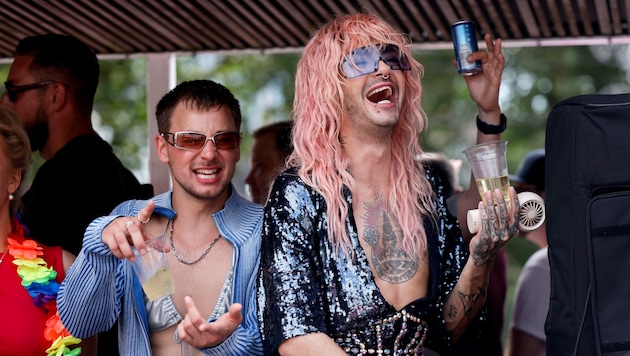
{"points": [[153, 270], [489, 167]]}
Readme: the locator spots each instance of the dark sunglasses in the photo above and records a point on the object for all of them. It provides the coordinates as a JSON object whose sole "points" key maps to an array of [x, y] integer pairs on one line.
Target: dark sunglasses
{"points": [[187, 140], [13, 90], [365, 60]]}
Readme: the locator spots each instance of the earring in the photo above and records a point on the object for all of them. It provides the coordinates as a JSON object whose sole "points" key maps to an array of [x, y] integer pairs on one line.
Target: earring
{"points": [[11, 196]]}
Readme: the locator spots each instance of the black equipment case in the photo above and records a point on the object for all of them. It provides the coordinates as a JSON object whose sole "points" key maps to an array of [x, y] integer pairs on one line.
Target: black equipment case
{"points": [[587, 195]]}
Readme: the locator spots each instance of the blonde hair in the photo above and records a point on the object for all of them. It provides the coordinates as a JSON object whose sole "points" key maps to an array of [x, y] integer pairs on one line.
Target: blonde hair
{"points": [[318, 112], [16, 147]]}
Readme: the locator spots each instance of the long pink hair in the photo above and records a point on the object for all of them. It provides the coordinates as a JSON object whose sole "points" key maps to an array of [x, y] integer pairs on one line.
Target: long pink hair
{"points": [[318, 112]]}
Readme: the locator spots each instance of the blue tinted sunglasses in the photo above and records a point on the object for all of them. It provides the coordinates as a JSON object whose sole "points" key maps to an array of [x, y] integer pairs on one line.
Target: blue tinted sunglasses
{"points": [[365, 60]]}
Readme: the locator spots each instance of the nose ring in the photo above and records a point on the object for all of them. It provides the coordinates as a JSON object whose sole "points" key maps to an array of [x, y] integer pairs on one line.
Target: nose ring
{"points": [[385, 76]]}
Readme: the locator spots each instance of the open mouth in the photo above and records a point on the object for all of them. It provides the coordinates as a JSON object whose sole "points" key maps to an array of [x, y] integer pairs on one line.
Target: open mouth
{"points": [[381, 95], [206, 173]]}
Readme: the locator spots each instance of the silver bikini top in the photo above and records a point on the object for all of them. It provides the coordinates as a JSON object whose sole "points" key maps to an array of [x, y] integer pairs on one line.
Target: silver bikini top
{"points": [[162, 314]]}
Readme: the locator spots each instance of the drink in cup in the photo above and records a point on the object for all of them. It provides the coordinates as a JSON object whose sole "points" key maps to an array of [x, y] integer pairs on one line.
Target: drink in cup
{"points": [[152, 269], [489, 167]]}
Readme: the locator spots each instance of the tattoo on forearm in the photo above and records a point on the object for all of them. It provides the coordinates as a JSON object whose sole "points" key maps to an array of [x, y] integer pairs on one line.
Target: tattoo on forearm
{"points": [[452, 311], [484, 255], [382, 233], [469, 301]]}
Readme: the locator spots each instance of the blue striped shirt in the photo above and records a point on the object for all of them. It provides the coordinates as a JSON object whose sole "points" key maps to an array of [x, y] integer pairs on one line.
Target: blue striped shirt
{"points": [[99, 287]]}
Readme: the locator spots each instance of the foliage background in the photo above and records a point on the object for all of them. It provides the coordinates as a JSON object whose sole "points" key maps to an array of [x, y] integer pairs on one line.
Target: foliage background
{"points": [[534, 80]]}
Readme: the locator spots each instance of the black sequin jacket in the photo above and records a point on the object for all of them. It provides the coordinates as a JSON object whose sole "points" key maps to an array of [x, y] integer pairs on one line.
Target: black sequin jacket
{"points": [[305, 287]]}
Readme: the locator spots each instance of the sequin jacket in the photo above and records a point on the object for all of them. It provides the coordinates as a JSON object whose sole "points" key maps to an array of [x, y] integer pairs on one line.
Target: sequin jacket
{"points": [[100, 288], [305, 287]]}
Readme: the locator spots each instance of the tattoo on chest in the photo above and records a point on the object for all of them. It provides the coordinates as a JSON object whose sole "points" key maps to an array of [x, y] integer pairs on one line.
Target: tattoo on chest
{"points": [[382, 233]]}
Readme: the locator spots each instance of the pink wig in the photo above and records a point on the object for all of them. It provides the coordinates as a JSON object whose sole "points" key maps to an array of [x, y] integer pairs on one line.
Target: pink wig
{"points": [[318, 112]]}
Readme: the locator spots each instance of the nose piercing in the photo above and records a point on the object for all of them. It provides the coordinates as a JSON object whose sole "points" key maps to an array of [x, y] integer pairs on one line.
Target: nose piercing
{"points": [[385, 76]]}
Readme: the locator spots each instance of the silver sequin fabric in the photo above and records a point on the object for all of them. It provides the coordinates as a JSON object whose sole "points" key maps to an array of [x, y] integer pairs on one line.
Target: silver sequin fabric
{"points": [[305, 287]]}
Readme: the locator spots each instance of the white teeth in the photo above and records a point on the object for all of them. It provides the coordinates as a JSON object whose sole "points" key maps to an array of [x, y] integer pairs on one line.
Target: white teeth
{"points": [[384, 102], [378, 90], [207, 173]]}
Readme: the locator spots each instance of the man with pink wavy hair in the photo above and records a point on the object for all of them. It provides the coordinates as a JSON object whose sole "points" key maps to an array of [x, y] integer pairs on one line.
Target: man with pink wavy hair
{"points": [[359, 253]]}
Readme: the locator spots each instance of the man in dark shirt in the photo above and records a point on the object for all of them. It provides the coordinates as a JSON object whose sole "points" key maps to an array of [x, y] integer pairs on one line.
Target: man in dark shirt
{"points": [[51, 87]]}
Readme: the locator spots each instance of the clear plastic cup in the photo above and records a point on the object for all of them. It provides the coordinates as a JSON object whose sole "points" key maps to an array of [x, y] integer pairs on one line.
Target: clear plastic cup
{"points": [[153, 270], [489, 167]]}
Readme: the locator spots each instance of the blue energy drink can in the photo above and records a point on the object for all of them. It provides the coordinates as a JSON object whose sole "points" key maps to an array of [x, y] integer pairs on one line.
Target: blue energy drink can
{"points": [[465, 42]]}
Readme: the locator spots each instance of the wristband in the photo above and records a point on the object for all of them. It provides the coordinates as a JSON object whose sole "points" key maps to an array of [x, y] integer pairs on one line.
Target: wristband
{"points": [[488, 129]]}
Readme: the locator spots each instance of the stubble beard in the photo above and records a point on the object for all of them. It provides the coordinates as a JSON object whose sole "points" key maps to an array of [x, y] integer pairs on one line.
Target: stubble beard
{"points": [[195, 193], [38, 132]]}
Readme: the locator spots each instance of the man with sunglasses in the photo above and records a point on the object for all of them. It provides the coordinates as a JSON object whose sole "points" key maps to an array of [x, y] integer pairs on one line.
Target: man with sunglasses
{"points": [[51, 86], [213, 235], [359, 253]]}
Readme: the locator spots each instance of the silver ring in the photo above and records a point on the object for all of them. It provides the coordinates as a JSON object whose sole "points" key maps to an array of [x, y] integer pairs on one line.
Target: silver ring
{"points": [[143, 221], [129, 223], [385, 76]]}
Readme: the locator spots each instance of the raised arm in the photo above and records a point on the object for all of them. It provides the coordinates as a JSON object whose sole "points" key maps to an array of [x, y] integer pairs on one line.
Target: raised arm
{"points": [[484, 90]]}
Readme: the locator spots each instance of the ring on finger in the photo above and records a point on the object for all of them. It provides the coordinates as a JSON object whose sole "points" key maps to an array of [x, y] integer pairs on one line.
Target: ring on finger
{"points": [[129, 223], [143, 221]]}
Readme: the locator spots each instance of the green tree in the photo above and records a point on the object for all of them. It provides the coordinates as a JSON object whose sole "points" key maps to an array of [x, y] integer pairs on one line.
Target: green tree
{"points": [[120, 111], [535, 79]]}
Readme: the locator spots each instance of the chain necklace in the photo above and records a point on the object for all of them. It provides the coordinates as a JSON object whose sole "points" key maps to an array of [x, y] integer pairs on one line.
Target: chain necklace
{"points": [[183, 260]]}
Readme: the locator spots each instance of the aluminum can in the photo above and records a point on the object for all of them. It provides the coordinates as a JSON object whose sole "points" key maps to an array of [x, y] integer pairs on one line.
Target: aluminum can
{"points": [[465, 42]]}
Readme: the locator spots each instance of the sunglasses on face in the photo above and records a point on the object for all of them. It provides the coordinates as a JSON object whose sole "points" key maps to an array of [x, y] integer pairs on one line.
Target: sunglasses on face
{"points": [[365, 60], [187, 140], [13, 90]]}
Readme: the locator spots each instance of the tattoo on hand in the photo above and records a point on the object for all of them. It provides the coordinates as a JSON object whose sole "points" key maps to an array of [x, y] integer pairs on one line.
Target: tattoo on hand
{"points": [[494, 233]]}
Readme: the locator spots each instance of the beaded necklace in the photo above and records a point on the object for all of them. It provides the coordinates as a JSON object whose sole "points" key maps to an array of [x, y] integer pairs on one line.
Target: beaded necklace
{"points": [[39, 280]]}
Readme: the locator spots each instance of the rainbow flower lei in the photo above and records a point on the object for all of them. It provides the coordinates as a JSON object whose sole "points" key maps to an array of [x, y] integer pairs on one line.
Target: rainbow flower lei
{"points": [[39, 280]]}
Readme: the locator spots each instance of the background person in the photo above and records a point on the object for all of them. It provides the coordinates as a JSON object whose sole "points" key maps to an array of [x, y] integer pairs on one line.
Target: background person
{"points": [[217, 230], [358, 254], [533, 288], [272, 146], [24, 330], [51, 86], [447, 169]]}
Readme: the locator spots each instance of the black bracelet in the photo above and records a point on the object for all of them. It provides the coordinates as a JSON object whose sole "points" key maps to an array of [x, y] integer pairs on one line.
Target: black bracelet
{"points": [[488, 129]]}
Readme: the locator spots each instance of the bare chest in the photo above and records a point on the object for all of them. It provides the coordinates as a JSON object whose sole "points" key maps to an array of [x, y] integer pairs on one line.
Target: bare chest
{"points": [[202, 280], [400, 276]]}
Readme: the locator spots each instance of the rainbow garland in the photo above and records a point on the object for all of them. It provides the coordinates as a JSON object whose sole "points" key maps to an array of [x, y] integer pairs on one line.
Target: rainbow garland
{"points": [[39, 280]]}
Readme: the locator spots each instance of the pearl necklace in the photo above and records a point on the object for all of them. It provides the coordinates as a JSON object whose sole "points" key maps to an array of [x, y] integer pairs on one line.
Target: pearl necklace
{"points": [[190, 263]]}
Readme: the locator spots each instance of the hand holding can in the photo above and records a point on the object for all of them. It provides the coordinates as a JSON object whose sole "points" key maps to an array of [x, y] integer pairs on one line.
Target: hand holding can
{"points": [[465, 43]]}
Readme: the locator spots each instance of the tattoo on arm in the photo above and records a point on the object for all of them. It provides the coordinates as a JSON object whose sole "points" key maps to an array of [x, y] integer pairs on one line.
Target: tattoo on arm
{"points": [[469, 301], [452, 311], [483, 256]]}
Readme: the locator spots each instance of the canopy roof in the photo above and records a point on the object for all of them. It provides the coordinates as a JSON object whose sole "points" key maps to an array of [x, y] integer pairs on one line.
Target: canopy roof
{"points": [[136, 27]]}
